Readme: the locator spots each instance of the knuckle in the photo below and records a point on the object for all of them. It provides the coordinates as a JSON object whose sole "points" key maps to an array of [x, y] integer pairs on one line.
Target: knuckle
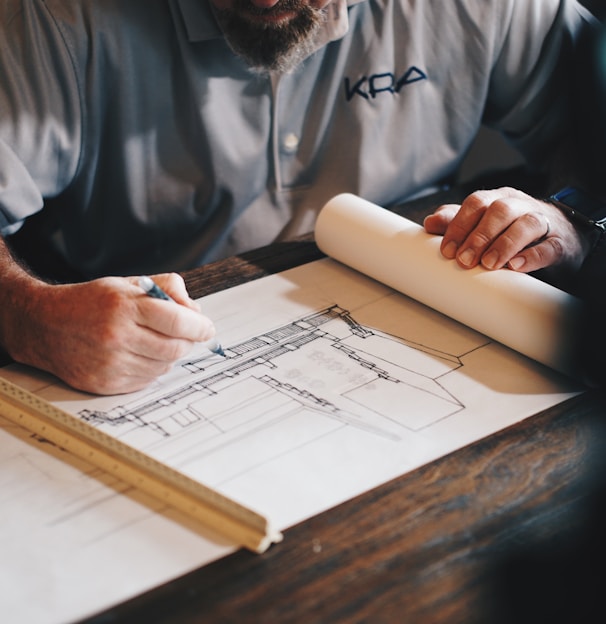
{"points": [[172, 281], [555, 244], [111, 338], [501, 209], [175, 326], [547, 253], [471, 206], [457, 231], [175, 321], [507, 241], [446, 209], [534, 220], [110, 301], [479, 239], [483, 198], [478, 198]]}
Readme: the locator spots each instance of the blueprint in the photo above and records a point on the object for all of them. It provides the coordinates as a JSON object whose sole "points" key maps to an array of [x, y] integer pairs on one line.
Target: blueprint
{"points": [[332, 384]]}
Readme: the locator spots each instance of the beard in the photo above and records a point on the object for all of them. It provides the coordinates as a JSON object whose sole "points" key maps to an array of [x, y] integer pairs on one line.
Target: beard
{"points": [[271, 46]]}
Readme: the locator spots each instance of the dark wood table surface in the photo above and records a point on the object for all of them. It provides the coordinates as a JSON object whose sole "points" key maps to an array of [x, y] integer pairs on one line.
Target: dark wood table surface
{"points": [[499, 531]]}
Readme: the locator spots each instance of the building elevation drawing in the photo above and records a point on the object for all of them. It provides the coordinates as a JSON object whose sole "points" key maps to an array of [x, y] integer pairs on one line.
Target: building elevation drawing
{"points": [[363, 378]]}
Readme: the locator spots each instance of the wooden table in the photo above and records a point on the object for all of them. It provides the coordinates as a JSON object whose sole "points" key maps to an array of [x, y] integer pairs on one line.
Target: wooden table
{"points": [[458, 540]]}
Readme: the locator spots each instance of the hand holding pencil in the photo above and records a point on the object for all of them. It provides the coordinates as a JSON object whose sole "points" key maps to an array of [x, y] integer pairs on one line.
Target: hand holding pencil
{"points": [[107, 336]]}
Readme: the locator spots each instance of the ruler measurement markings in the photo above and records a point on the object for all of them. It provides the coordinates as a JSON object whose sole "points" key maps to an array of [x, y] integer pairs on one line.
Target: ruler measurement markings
{"points": [[205, 505]]}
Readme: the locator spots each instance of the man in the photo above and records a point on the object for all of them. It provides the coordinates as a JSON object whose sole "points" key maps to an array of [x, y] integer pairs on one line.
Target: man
{"points": [[156, 136]]}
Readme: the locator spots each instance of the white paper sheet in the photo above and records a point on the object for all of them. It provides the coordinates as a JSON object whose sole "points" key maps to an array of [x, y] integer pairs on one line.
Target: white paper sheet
{"points": [[333, 384], [515, 309]]}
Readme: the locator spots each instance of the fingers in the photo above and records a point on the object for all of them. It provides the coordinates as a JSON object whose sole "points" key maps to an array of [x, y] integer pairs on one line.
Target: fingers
{"points": [[505, 228], [548, 251], [505, 238], [172, 320], [174, 285], [438, 222], [171, 327], [483, 217]]}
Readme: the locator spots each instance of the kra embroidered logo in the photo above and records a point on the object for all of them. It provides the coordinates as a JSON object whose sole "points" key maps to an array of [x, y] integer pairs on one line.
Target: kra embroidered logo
{"points": [[369, 87]]}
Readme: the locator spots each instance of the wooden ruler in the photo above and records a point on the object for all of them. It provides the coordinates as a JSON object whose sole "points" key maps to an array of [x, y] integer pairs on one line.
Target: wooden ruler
{"points": [[228, 518]]}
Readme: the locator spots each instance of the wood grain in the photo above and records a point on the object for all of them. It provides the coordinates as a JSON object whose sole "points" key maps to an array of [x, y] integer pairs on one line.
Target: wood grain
{"points": [[430, 546]]}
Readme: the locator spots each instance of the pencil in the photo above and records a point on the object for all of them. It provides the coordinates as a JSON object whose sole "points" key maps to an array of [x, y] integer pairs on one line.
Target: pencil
{"points": [[153, 290]]}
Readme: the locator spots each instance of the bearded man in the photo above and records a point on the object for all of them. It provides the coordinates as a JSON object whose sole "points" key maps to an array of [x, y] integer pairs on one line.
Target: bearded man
{"points": [[152, 136]]}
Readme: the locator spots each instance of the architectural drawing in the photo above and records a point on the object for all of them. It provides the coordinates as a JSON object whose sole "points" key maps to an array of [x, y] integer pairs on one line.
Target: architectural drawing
{"points": [[354, 376]]}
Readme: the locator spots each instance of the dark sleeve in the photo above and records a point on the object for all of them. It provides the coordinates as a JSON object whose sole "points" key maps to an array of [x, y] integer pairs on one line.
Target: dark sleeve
{"points": [[589, 107]]}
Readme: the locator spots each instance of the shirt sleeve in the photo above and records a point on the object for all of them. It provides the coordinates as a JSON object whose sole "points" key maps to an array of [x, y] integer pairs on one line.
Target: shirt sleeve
{"points": [[528, 100], [40, 112]]}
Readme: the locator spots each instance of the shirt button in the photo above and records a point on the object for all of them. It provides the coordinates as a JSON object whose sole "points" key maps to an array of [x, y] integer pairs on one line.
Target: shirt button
{"points": [[290, 143]]}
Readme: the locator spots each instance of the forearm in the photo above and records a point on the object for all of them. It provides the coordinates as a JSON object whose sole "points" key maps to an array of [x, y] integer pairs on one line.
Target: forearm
{"points": [[19, 291]]}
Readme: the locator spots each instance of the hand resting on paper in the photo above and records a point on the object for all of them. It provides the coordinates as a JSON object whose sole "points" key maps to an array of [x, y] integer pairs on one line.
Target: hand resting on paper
{"points": [[505, 227], [104, 336]]}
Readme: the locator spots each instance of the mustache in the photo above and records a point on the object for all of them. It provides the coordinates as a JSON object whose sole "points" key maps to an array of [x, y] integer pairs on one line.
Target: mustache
{"points": [[282, 5]]}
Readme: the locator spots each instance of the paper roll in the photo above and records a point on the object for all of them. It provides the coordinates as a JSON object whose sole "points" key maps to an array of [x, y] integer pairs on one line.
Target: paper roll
{"points": [[516, 309]]}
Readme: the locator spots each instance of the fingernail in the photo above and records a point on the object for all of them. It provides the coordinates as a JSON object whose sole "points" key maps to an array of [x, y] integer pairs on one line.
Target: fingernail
{"points": [[450, 250], [490, 260], [517, 263], [466, 257]]}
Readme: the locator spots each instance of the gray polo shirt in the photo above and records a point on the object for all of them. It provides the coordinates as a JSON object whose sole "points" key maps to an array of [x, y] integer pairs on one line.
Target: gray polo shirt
{"points": [[155, 148]]}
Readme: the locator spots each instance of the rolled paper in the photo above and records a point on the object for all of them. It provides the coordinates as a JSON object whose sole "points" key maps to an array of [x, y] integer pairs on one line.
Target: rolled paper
{"points": [[515, 309]]}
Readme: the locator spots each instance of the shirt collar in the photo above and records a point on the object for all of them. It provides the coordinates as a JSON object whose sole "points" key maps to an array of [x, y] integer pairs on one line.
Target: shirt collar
{"points": [[201, 25]]}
